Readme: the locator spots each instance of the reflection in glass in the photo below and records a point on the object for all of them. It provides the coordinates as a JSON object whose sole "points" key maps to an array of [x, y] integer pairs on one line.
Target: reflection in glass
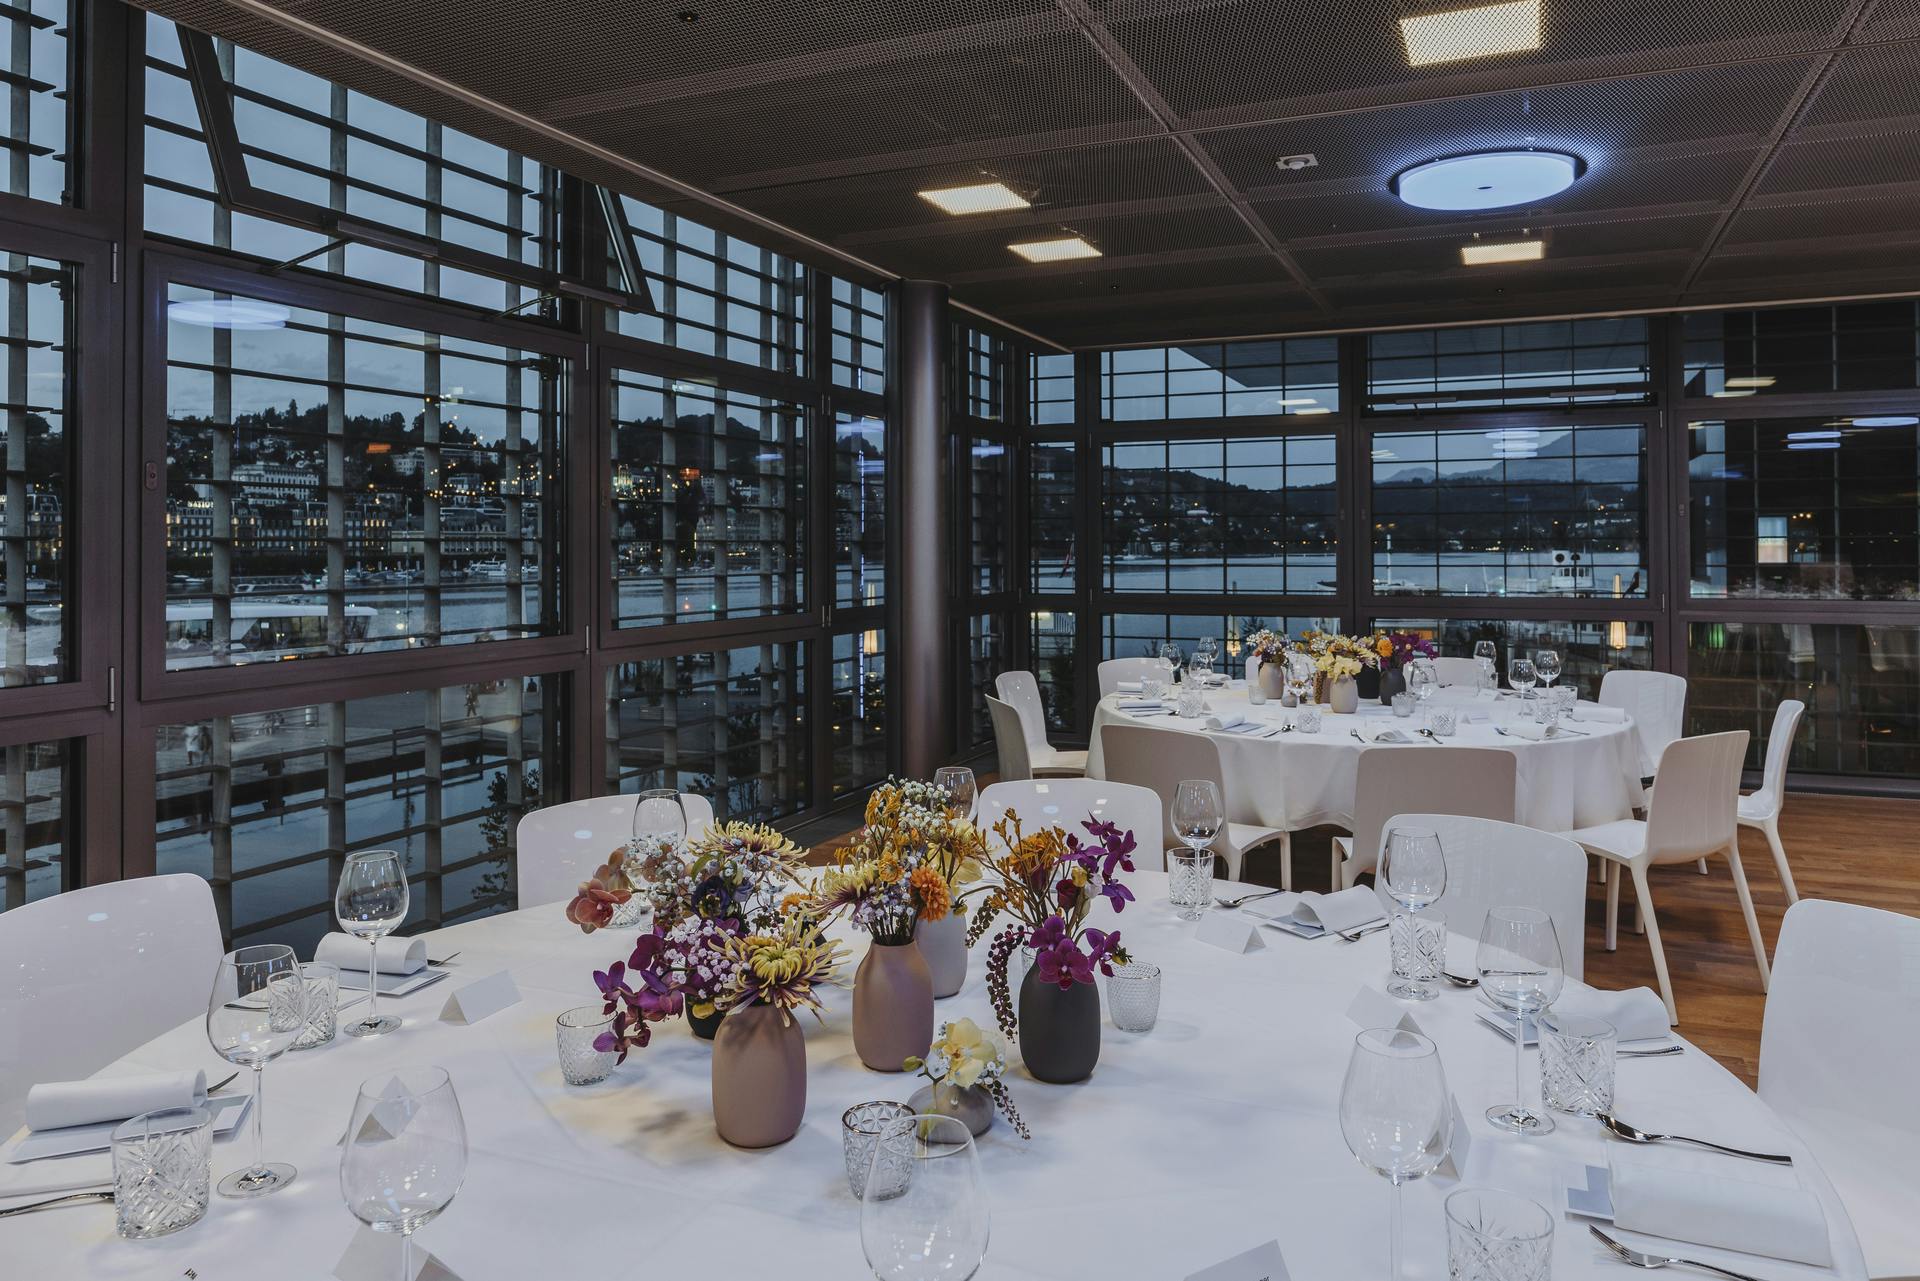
{"points": [[859, 510], [986, 658], [1050, 390], [858, 325], [989, 514], [859, 710], [986, 367], [1052, 517], [1598, 360], [36, 507], [1588, 649], [1142, 635], [1053, 641], [36, 823], [1860, 346], [35, 118], [1265, 377]]}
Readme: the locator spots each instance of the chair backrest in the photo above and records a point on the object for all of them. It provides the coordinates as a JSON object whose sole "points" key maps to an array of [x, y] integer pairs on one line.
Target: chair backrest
{"points": [[1158, 760], [558, 847], [1494, 864], [1021, 691], [1657, 701], [1694, 811], [1477, 781], [145, 949], [1458, 671], [1773, 781], [1115, 670], [1067, 802], [1009, 740]]}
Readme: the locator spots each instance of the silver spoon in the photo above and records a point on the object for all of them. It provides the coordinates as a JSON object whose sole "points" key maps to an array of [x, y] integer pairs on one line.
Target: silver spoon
{"points": [[1635, 1259], [1458, 980], [1247, 898], [72, 1198], [1632, 1135], [1354, 936]]}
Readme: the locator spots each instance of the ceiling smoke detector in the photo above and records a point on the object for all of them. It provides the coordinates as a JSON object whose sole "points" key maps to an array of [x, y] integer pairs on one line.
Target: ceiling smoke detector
{"points": [[1293, 164]]}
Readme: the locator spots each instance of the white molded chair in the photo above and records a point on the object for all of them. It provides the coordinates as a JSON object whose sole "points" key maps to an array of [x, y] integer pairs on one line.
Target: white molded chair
{"points": [[1762, 808], [93, 974], [1657, 701], [557, 847], [1475, 781], [1159, 759], [1115, 670], [1457, 671], [1021, 691], [1068, 802], [1837, 1049], [1496, 864], [1690, 816]]}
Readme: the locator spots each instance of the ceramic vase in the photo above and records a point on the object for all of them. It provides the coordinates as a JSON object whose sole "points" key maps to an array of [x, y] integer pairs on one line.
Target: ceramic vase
{"points": [[1371, 683], [1344, 695], [970, 1105], [1392, 681], [759, 1077], [944, 945], [705, 1025], [1273, 680], [1059, 1029], [892, 1006]]}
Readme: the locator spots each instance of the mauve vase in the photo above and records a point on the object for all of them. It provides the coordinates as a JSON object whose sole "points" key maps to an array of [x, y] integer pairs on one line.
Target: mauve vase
{"points": [[892, 1006], [759, 1077], [1273, 680], [1344, 696], [1059, 1029], [944, 945], [968, 1104]]}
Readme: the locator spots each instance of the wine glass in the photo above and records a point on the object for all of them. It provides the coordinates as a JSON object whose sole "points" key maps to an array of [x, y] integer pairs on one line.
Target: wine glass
{"points": [[1422, 679], [371, 903], [924, 1213], [1197, 812], [1299, 676], [255, 1012], [1520, 970], [1546, 663], [1521, 675], [1413, 870], [405, 1154], [1170, 659], [957, 783], [1396, 1114], [1200, 669], [658, 820], [1487, 654]]}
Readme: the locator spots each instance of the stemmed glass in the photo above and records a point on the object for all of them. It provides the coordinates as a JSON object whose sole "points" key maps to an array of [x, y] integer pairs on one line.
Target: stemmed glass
{"points": [[1487, 654], [1520, 970], [1170, 659], [1413, 869], [1521, 675], [405, 1154], [957, 783], [1209, 649], [1396, 1114], [1546, 664], [924, 1213], [1197, 816], [256, 1011], [1299, 677], [658, 819], [371, 903], [1422, 679]]}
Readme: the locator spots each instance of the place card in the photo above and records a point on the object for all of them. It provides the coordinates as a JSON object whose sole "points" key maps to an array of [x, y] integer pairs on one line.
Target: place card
{"points": [[480, 998], [375, 1256], [1455, 1166], [1373, 1008], [1231, 931], [1262, 1263]]}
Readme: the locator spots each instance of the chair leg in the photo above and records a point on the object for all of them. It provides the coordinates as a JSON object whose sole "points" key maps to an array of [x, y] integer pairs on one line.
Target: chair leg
{"points": [[1611, 871], [1645, 901], [1286, 860], [1336, 874], [1772, 829], [1746, 907], [1703, 868]]}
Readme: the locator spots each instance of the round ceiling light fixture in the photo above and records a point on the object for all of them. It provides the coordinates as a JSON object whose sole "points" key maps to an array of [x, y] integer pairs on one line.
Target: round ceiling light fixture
{"points": [[229, 313], [1890, 420], [1487, 179]]}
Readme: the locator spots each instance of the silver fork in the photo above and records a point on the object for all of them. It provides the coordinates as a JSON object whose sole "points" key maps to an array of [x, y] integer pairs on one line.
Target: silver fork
{"points": [[1247, 898], [1354, 936], [1636, 1259]]}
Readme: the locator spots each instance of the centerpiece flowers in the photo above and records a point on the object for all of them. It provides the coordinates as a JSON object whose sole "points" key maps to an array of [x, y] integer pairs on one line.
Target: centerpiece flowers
{"points": [[966, 1073], [760, 1055], [1271, 649], [1337, 660], [1398, 650]]}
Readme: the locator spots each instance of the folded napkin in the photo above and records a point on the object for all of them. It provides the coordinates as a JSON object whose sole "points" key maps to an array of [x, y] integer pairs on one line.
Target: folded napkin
{"points": [[1637, 1014], [1385, 734], [1225, 720], [1139, 705], [1527, 730], [1128, 687], [1597, 713], [53, 1105], [50, 1176], [1723, 1201], [1343, 910], [395, 955]]}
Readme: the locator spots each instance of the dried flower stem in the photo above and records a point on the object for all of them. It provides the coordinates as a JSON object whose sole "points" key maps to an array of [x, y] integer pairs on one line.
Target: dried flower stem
{"points": [[997, 957], [1001, 1096]]}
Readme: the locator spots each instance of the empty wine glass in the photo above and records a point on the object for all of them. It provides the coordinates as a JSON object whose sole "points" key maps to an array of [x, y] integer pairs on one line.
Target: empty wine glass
{"points": [[1546, 664], [658, 819], [1299, 676], [255, 1012], [1413, 870], [1396, 1114], [1487, 654], [1520, 970], [956, 783], [370, 903], [1197, 816], [1170, 659], [405, 1154], [924, 1215], [1521, 676]]}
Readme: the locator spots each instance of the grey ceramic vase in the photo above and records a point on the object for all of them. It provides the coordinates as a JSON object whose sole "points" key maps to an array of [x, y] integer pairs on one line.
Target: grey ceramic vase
{"points": [[1059, 1030], [1392, 681], [970, 1105], [892, 1006], [1344, 696], [1273, 680], [944, 944], [759, 1077]]}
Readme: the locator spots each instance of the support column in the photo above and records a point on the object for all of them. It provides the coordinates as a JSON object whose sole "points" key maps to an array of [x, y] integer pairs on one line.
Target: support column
{"points": [[924, 580]]}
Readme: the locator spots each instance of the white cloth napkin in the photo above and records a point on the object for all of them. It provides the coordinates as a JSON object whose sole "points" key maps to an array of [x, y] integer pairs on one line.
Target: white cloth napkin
{"points": [[33, 1180], [1343, 910], [395, 955], [1637, 1014], [1596, 712], [1721, 1201], [1139, 705], [1128, 687], [52, 1105], [1527, 730], [1385, 734], [1225, 720]]}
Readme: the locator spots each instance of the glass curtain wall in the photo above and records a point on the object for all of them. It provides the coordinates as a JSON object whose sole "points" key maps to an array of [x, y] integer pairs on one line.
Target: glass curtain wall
{"points": [[990, 400]]}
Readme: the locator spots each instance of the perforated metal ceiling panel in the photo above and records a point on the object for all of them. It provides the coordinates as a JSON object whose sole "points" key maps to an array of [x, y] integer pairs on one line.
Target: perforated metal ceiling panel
{"points": [[1734, 150]]}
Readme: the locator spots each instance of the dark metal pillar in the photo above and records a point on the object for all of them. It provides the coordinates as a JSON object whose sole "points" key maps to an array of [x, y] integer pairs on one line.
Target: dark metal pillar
{"points": [[923, 649]]}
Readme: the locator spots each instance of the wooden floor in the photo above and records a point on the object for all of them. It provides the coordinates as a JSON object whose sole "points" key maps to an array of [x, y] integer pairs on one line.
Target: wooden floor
{"points": [[1855, 849]]}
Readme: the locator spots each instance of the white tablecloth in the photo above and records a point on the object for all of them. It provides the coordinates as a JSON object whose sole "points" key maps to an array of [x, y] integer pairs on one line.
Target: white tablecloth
{"points": [[1216, 1131], [1296, 781]]}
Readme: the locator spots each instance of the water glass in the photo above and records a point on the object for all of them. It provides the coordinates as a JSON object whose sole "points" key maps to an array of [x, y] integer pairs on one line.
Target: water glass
{"points": [[1191, 703], [1444, 721], [574, 1034], [323, 1004], [1255, 694], [860, 1129], [1418, 945], [1546, 711], [1576, 1063], [1153, 689], [162, 1171], [1133, 996], [956, 783], [1497, 1236], [1307, 719], [1564, 697], [1190, 882], [1404, 703], [1486, 653]]}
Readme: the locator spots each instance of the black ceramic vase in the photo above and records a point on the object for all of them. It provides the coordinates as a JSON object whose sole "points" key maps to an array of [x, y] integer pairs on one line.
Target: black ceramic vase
{"points": [[1059, 1030], [1371, 683], [1392, 681], [705, 1027]]}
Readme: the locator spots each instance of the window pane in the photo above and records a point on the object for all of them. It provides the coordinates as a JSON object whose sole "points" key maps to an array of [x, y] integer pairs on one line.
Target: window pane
{"points": [[1142, 635], [985, 367], [1868, 346], [859, 334], [1051, 389], [859, 710], [36, 388], [708, 502], [859, 510], [988, 515], [1580, 362], [1052, 516], [1214, 380], [338, 486], [1588, 650], [1053, 639], [1806, 507], [1523, 511], [986, 658], [730, 725], [37, 859], [266, 805], [34, 112]]}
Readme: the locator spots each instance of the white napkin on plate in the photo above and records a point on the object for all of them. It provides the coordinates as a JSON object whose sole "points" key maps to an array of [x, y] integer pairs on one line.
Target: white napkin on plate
{"points": [[1225, 720], [1139, 705], [53, 1105], [1385, 734], [1598, 713], [1343, 910], [1637, 1014], [1527, 730], [1128, 687], [1723, 1201], [394, 955]]}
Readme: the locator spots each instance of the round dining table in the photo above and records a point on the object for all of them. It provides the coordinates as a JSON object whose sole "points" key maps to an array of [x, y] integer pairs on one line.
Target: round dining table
{"points": [[1588, 775], [1213, 1133]]}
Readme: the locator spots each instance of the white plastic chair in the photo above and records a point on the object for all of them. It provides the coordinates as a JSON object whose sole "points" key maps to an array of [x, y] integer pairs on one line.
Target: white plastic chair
{"points": [[1458, 671], [1690, 816], [1494, 864], [1159, 759], [93, 974], [1067, 803], [557, 847], [1657, 701], [1021, 691], [1476, 781], [1762, 808], [1115, 670], [1837, 1049]]}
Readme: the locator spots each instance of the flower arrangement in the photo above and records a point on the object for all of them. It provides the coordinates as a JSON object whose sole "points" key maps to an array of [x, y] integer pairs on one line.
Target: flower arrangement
{"points": [[906, 865], [1335, 656], [1268, 646], [1402, 648], [1048, 881], [965, 1056], [781, 968]]}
